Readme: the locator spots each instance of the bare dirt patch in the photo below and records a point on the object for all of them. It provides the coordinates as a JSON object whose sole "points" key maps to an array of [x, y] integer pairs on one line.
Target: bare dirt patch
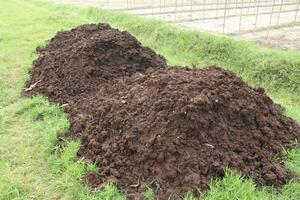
{"points": [[284, 38]]}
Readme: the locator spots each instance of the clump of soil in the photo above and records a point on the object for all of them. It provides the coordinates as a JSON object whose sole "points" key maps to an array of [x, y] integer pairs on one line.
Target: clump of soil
{"points": [[146, 125], [180, 128], [76, 62]]}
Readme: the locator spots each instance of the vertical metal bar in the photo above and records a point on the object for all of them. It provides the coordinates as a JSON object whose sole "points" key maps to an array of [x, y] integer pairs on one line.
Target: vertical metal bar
{"points": [[160, 7], [249, 6], [272, 13], [204, 7], [229, 6], [182, 8], [176, 10], [191, 9], [266, 3], [271, 18], [257, 12], [296, 14], [164, 7], [224, 21], [152, 6], [241, 14], [295, 19], [218, 2], [280, 10], [236, 6]]}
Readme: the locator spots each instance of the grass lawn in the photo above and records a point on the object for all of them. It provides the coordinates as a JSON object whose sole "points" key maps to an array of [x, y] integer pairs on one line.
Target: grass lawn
{"points": [[32, 166]]}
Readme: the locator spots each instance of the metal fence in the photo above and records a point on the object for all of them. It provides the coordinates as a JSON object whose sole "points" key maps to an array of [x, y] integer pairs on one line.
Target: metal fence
{"points": [[221, 16]]}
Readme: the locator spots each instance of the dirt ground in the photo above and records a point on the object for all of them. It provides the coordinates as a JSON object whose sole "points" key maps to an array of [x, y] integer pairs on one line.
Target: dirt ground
{"points": [[286, 38], [212, 20]]}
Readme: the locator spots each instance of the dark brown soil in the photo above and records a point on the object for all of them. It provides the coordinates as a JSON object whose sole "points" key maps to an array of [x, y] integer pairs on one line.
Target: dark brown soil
{"points": [[76, 62], [171, 129], [179, 128]]}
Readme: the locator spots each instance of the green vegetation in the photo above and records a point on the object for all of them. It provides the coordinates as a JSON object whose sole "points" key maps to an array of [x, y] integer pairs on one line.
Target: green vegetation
{"points": [[32, 166]]}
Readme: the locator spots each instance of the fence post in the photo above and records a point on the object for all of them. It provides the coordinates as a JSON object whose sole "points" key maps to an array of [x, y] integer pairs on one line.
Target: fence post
{"points": [[225, 10], [296, 14], [191, 9], [280, 10], [176, 10], [217, 10], [257, 12], [241, 14], [249, 6], [271, 18], [204, 7], [236, 6]]}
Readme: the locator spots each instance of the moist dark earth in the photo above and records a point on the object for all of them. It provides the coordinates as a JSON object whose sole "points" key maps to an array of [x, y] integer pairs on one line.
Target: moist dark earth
{"points": [[146, 125], [74, 63]]}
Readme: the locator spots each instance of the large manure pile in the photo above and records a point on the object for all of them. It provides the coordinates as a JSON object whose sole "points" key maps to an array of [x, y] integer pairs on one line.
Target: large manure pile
{"points": [[74, 63], [180, 128], [148, 126]]}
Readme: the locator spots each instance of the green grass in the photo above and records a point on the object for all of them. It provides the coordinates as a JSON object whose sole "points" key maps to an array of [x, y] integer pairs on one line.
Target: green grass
{"points": [[32, 166]]}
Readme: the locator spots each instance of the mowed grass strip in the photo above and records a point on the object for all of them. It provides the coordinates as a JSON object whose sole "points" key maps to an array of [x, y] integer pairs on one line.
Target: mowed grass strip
{"points": [[32, 166]]}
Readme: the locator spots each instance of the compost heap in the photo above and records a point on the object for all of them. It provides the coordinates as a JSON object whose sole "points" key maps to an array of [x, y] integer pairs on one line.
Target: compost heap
{"points": [[170, 129], [76, 62]]}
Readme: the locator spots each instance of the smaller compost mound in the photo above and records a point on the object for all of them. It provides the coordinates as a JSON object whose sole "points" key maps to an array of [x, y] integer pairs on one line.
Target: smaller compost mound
{"points": [[176, 129], [76, 62]]}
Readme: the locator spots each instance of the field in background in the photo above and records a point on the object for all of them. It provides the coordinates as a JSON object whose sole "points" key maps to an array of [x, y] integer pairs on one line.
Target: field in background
{"points": [[264, 21], [33, 166]]}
